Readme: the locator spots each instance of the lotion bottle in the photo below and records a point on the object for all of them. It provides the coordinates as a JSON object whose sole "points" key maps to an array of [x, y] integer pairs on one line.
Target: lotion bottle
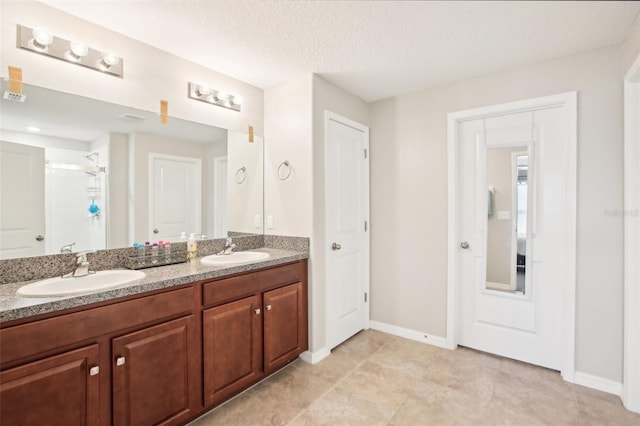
{"points": [[192, 247]]}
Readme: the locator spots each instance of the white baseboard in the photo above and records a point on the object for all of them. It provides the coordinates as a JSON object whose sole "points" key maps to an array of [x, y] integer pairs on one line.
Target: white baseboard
{"points": [[599, 383], [407, 333], [315, 357]]}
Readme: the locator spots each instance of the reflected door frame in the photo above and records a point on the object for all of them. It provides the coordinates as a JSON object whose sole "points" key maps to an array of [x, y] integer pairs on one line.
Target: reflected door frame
{"points": [[454, 253]]}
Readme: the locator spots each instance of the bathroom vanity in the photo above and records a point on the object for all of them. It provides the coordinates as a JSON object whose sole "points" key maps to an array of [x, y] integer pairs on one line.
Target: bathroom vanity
{"points": [[160, 356]]}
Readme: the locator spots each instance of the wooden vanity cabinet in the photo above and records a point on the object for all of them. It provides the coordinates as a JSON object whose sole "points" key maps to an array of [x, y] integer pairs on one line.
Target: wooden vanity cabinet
{"points": [[64, 370], [232, 348], [285, 325], [161, 358], [258, 324], [153, 375], [58, 390]]}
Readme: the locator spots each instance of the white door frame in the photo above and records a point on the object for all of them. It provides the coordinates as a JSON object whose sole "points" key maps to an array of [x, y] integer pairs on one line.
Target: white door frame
{"points": [[568, 99], [631, 376], [328, 116]]}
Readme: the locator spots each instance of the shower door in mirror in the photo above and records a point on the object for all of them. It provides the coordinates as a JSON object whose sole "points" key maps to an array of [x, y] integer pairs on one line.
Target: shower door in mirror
{"points": [[512, 191]]}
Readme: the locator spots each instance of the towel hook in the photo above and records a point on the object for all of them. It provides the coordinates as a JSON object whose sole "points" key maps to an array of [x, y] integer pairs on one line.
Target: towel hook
{"points": [[241, 175], [286, 164]]}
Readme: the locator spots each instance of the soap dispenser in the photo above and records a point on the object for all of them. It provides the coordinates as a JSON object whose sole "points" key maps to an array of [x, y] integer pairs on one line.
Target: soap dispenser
{"points": [[192, 247]]}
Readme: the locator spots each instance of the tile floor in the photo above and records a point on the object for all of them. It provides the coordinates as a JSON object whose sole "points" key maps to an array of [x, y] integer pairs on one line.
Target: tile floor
{"points": [[379, 379]]}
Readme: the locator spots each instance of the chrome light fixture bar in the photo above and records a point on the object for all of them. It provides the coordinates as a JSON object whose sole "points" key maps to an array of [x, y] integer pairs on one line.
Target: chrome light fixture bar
{"points": [[221, 98], [40, 40]]}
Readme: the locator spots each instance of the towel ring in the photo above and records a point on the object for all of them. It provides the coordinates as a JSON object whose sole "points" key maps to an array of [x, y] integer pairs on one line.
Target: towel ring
{"points": [[286, 164], [241, 175]]}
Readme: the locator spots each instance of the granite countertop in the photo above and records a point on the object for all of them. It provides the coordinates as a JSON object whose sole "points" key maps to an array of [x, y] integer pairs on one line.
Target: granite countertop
{"points": [[13, 307]]}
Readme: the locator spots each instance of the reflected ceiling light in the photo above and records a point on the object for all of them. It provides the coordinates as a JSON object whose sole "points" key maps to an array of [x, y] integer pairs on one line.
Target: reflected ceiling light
{"points": [[204, 93], [33, 128], [42, 41]]}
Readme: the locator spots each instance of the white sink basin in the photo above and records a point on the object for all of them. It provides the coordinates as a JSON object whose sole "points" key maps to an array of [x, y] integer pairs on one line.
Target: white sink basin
{"points": [[101, 280], [235, 257]]}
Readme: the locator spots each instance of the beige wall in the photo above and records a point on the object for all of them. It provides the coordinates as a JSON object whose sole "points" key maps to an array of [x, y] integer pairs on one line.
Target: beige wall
{"points": [[150, 74], [409, 197], [326, 97], [631, 47], [288, 136], [294, 131]]}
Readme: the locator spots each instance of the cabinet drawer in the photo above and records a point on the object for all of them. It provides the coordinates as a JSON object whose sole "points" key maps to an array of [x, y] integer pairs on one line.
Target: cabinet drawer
{"points": [[286, 274], [229, 289], [27, 340]]}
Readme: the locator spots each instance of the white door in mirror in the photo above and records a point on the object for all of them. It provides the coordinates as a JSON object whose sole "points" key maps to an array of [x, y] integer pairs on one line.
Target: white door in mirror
{"points": [[101, 280]]}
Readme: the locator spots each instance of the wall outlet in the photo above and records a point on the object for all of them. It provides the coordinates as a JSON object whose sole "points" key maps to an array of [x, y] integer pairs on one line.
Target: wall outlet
{"points": [[270, 222], [504, 215]]}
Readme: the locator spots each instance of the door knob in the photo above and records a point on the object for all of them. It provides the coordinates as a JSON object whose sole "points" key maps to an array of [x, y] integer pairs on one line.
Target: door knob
{"points": [[464, 244], [39, 238], [155, 230], [335, 246], [257, 311], [268, 307], [120, 361]]}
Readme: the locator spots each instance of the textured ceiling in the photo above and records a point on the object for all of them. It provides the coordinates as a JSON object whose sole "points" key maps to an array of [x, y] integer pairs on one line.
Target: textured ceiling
{"points": [[374, 49]]}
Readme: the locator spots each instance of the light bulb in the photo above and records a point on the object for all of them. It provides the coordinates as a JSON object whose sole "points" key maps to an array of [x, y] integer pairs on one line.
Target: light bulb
{"points": [[79, 48], [222, 96], [108, 60], [237, 100], [203, 90], [77, 51], [41, 38]]}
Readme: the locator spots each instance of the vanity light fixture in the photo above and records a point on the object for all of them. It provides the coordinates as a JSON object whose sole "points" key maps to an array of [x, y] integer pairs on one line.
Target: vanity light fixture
{"points": [[41, 40], [204, 93]]}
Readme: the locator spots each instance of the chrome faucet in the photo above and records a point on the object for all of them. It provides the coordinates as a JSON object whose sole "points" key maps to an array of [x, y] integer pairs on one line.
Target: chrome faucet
{"points": [[67, 248], [80, 266], [228, 247]]}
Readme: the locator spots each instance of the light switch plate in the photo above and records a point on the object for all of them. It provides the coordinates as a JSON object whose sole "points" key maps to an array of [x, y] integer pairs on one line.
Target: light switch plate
{"points": [[270, 222], [257, 221], [504, 215]]}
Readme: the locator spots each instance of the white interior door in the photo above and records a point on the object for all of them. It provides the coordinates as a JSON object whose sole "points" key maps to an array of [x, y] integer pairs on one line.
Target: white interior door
{"points": [[175, 185], [525, 323], [347, 240], [22, 224]]}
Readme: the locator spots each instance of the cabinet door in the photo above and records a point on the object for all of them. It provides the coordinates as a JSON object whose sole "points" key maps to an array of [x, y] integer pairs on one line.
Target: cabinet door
{"points": [[59, 390], [232, 345], [153, 374], [285, 325]]}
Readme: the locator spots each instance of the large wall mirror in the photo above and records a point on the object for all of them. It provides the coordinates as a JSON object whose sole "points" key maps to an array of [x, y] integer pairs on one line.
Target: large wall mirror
{"points": [[101, 175]]}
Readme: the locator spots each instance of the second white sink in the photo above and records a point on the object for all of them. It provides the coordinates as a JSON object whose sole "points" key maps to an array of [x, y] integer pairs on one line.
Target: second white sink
{"points": [[101, 280], [235, 257]]}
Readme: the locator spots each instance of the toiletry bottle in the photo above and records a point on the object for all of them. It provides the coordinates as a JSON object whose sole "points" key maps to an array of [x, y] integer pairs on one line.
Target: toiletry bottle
{"points": [[167, 251], [154, 253], [192, 247], [140, 253]]}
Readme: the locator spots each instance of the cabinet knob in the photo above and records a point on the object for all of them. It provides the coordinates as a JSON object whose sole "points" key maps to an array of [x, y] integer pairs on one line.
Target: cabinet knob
{"points": [[268, 307], [120, 361], [93, 371], [257, 311]]}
